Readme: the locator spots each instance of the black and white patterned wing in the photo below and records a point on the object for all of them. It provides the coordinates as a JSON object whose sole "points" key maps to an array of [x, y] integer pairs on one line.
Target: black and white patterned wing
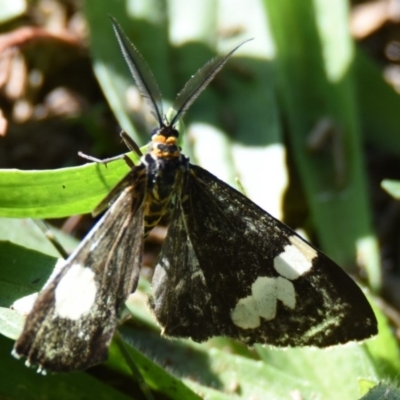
{"points": [[73, 319], [229, 268]]}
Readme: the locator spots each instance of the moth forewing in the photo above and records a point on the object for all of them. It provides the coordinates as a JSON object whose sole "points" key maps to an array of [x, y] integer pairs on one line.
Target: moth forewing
{"points": [[239, 272], [73, 319]]}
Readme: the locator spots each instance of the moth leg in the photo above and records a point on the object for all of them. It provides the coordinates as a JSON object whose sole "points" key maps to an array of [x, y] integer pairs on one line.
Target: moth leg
{"points": [[130, 143], [45, 228], [124, 157]]}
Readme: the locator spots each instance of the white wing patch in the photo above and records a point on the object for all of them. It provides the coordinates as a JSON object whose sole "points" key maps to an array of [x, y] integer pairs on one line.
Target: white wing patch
{"points": [[75, 293], [294, 261], [245, 315], [285, 292]]}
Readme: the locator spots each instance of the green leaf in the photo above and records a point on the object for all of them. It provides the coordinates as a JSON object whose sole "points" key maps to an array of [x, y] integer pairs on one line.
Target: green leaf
{"points": [[57, 193], [22, 271], [25, 232], [156, 377], [20, 382]]}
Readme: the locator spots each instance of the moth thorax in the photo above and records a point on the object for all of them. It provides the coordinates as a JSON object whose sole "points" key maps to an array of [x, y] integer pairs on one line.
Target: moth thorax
{"points": [[164, 144]]}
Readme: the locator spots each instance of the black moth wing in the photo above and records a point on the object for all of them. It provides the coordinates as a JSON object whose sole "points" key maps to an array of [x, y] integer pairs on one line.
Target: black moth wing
{"points": [[218, 265], [74, 318]]}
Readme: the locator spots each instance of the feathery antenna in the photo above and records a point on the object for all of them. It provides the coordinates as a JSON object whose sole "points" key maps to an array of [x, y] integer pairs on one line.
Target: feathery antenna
{"points": [[198, 83], [141, 73]]}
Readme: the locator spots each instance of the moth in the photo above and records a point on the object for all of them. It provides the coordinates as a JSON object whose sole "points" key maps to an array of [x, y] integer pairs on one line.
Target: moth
{"points": [[226, 268]]}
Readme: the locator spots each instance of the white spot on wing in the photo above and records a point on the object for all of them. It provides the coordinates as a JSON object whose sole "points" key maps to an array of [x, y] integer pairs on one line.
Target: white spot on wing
{"points": [[264, 294], [75, 293], [295, 260], [308, 252], [245, 314], [285, 292]]}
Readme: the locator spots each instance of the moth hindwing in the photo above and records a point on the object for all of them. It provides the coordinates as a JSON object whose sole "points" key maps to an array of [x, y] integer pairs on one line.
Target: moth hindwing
{"points": [[226, 268]]}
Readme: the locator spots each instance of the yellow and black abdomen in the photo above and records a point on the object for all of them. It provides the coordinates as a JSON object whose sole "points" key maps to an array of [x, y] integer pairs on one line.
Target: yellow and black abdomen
{"points": [[164, 177]]}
